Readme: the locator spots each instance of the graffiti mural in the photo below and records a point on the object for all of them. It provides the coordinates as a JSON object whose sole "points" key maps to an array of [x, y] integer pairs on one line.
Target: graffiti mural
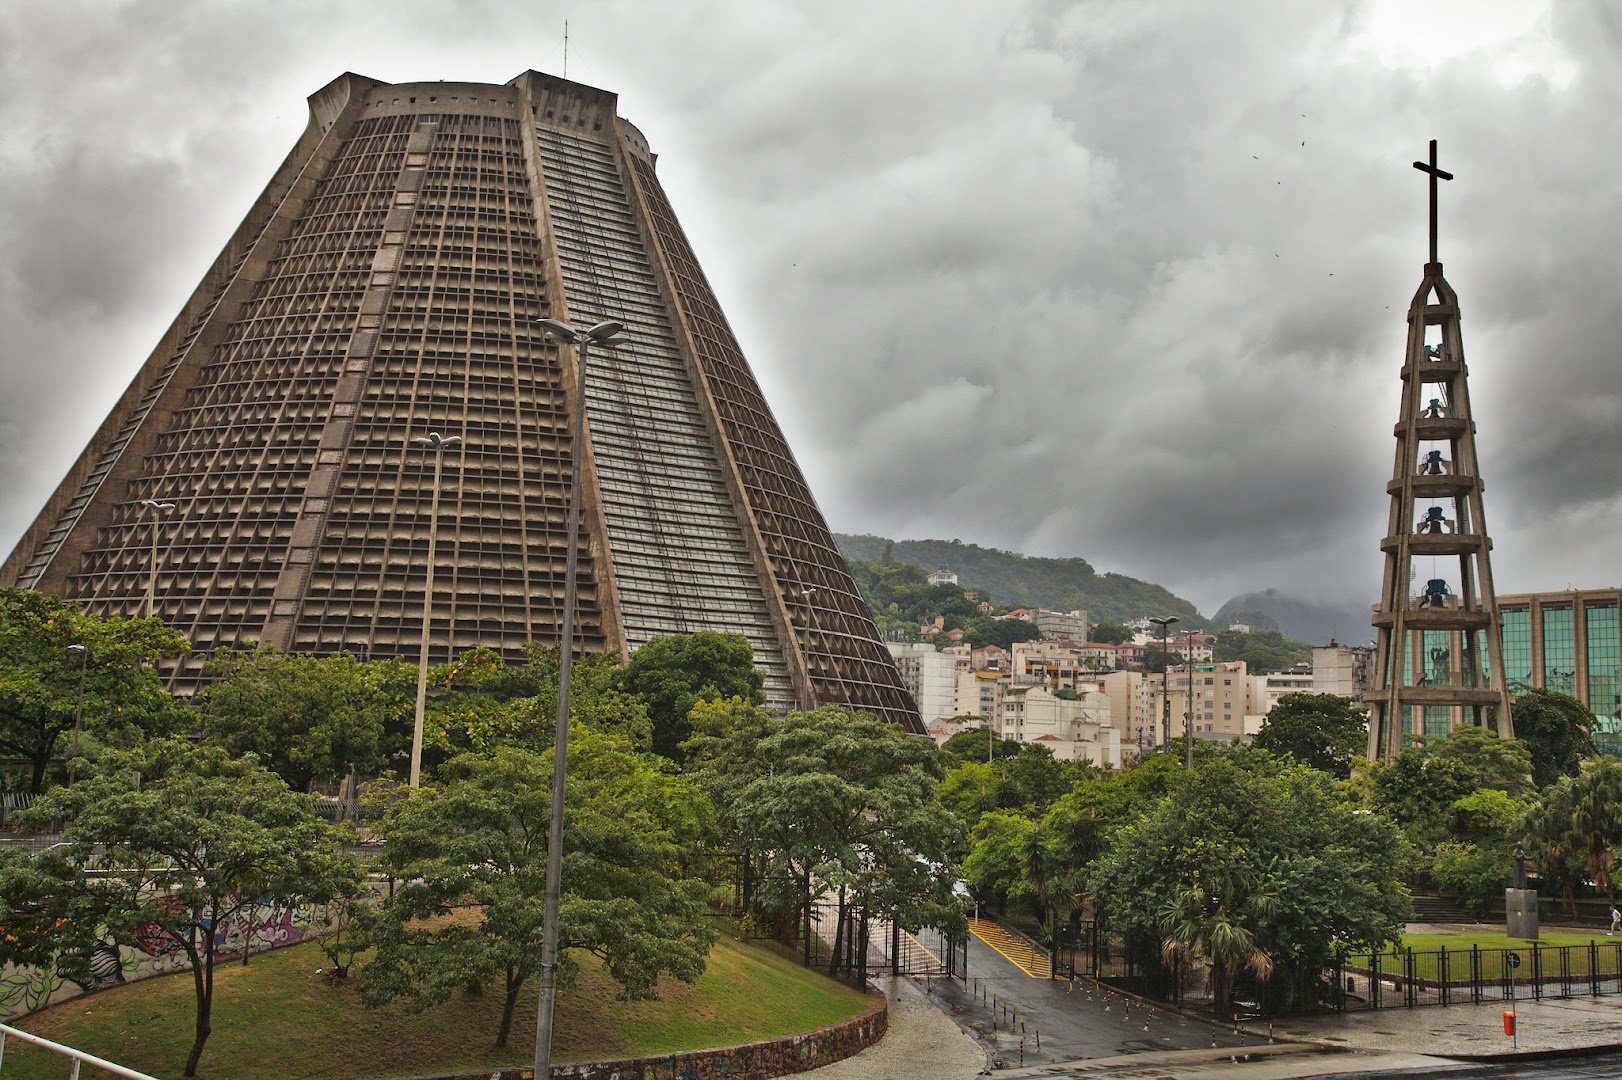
{"points": [[263, 924]]}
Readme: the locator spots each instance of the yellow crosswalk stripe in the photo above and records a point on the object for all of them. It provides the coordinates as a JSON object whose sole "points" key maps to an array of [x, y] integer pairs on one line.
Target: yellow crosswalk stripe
{"points": [[1016, 950]]}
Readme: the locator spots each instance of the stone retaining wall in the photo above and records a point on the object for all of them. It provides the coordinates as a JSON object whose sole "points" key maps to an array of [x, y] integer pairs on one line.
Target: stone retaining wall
{"points": [[771, 1057]]}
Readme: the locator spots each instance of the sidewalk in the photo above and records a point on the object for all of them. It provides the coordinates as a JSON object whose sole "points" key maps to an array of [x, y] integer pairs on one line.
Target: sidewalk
{"points": [[1466, 1031], [921, 1041]]}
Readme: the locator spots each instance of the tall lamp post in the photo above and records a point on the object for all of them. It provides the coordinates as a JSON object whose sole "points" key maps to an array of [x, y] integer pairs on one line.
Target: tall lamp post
{"points": [[433, 441], [1188, 706], [158, 510], [607, 334], [78, 711], [1165, 676]]}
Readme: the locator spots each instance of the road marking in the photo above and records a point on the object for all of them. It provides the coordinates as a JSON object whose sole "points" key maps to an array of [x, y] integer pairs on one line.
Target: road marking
{"points": [[1016, 950]]}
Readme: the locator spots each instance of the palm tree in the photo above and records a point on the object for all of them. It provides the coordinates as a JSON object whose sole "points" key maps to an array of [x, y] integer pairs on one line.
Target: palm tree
{"points": [[1596, 820], [1549, 836], [1217, 922]]}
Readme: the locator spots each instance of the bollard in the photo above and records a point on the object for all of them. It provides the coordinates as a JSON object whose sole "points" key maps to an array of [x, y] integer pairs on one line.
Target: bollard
{"points": [[1269, 1033], [1038, 1033]]}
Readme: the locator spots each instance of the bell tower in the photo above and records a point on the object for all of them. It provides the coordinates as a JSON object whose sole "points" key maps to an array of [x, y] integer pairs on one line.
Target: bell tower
{"points": [[1437, 659]]}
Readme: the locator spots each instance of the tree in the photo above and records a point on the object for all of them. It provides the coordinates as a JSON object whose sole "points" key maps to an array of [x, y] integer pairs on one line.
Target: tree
{"points": [[1109, 633], [178, 839], [1556, 729], [1324, 731], [977, 743], [1252, 866], [672, 674], [1474, 862], [1261, 650], [308, 717], [475, 850], [845, 803], [124, 699], [483, 702], [1004, 633]]}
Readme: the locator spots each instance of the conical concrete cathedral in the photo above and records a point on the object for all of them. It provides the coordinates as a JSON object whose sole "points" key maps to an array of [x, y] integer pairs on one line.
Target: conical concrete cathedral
{"points": [[260, 479], [1438, 661]]}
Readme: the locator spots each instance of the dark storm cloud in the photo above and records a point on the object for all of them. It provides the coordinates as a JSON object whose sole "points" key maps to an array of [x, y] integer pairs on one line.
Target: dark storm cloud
{"points": [[1118, 280]]}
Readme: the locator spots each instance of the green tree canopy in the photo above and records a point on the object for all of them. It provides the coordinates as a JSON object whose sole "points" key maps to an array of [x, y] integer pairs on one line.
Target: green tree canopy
{"points": [[1249, 866], [477, 844], [308, 718], [176, 838], [1109, 633], [479, 702], [124, 699], [977, 743], [1556, 729], [1261, 650], [984, 630], [845, 803], [1325, 731], [672, 674]]}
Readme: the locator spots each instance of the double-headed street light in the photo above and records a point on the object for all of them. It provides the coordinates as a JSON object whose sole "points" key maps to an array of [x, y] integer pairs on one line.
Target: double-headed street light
{"points": [[158, 510], [78, 712], [1165, 676], [433, 441], [607, 334]]}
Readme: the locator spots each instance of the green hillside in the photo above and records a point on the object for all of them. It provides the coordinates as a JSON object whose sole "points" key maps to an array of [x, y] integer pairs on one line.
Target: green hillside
{"points": [[1017, 580]]}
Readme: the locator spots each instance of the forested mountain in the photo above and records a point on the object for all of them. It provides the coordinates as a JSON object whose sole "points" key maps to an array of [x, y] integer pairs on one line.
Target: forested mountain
{"points": [[1013, 580]]}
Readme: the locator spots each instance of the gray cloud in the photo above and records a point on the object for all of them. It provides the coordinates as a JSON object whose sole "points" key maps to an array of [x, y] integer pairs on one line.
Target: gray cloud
{"points": [[1123, 281]]}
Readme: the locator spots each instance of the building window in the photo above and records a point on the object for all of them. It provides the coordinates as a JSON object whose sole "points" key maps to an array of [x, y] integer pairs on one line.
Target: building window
{"points": [[1438, 721], [1604, 675], [1517, 647], [1559, 651]]}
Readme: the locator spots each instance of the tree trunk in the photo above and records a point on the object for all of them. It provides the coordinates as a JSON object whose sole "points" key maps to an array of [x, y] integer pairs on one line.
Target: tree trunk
{"points": [[36, 783], [515, 982], [202, 970]]}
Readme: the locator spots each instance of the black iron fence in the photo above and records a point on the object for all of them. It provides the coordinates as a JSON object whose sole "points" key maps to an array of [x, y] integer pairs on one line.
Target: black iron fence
{"points": [[856, 943], [1391, 978], [1410, 978]]}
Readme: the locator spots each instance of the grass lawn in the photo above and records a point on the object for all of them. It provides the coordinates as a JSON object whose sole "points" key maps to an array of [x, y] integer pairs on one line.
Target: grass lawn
{"points": [[1427, 955], [278, 1020]]}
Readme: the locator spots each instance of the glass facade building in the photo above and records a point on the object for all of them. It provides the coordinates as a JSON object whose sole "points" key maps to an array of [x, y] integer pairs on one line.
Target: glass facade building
{"points": [[1569, 642]]}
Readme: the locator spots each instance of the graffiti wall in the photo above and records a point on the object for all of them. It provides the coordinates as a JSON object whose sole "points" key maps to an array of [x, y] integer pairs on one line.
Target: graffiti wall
{"points": [[264, 924]]}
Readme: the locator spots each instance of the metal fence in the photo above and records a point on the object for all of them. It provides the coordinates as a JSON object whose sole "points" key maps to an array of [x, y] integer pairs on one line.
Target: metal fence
{"points": [[1410, 978], [76, 1058], [857, 943], [1392, 978]]}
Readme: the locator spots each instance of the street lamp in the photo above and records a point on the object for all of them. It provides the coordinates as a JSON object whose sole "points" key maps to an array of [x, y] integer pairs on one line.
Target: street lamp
{"points": [[78, 712], [607, 334], [158, 510], [438, 445], [1165, 676], [1188, 708]]}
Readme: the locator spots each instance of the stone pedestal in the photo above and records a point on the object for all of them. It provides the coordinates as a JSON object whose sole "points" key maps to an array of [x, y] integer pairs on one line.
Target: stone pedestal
{"points": [[1521, 913]]}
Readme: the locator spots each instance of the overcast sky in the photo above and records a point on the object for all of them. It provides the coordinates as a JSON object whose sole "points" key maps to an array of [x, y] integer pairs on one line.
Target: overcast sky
{"points": [[1123, 280]]}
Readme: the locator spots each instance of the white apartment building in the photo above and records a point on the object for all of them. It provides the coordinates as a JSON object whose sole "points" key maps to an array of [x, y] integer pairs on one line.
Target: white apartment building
{"points": [[979, 693], [1059, 625], [929, 675], [1077, 730]]}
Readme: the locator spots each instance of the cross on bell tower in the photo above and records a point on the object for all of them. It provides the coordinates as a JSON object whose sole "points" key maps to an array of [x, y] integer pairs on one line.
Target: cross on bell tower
{"points": [[1438, 657]]}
